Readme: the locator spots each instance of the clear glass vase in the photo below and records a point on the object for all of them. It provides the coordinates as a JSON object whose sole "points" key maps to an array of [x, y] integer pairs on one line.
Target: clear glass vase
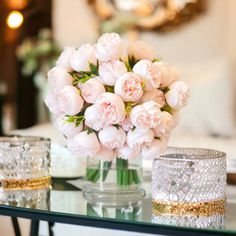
{"points": [[113, 183]]}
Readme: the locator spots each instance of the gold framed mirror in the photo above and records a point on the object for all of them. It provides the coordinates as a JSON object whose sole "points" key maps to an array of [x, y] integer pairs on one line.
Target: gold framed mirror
{"points": [[161, 15]]}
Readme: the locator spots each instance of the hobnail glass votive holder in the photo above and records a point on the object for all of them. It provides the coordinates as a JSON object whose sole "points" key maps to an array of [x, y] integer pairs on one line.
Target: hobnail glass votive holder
{"points": [[34, 198], [189, 184], [24, 163]]}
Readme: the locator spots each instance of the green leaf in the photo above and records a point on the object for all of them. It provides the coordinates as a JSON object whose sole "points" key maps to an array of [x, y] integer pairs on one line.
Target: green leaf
{"points": [[128, 107], [109, 89], [77, 119], [70, 119], [142, 85], [128, 66], [157, 59], [84, 78], [167, 108], [89, 131], [93, 68], [80, 77], [165, 90], [73, 74], [117, 126], [132, 61]]}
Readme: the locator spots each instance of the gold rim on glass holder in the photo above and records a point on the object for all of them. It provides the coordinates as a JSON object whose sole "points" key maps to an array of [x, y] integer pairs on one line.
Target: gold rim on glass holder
{"points": [[25, 184], [190, 208]]}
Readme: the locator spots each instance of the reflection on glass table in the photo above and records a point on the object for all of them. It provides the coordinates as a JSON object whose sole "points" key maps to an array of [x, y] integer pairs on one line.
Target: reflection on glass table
{"points": [[65, 203]]}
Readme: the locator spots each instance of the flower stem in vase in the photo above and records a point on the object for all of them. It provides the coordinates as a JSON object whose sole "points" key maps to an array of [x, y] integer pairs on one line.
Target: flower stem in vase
{"points": [[135, 177], [121, 165], [93, 174], [105, 169], [125, 175]]}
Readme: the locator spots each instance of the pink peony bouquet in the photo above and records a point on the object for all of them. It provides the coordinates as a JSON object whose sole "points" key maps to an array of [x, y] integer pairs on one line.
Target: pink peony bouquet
{"points": [[112, 101]]}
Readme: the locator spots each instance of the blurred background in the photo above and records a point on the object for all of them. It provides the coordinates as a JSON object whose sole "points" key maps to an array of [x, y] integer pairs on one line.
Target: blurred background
{"points": [[195, 36]]}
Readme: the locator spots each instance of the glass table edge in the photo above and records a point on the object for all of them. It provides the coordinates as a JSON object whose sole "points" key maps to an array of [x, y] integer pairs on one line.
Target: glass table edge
{"points": [[77, 219]]}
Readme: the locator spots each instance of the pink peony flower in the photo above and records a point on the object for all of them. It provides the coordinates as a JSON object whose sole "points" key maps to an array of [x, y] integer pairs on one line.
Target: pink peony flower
{"points": [[139, 137], [110, 71], [127, 153], [69, 100], [165, 126], [64, 58], [167, 74], [155, 95], [51, 101], [69, 129], [177, 95], [111, 108], [149, 73], [91, 89], [157, 148], [58, 78], [81, 58], [111, 137], [84, 144], [93, 119], [126, 124], [141, 50], [129, 87], [106, 154], [109, 47], [145, 116]]}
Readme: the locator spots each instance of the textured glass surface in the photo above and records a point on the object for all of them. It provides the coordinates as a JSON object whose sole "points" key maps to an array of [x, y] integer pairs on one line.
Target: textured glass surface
{"points": [[189, 175], [189, 188], [35, 199], [115, 182], [24, 162], [210, 222]]}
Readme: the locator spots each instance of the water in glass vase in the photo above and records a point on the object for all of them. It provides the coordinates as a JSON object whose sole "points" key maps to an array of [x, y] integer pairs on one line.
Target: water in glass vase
{"points": [[114, 183]]}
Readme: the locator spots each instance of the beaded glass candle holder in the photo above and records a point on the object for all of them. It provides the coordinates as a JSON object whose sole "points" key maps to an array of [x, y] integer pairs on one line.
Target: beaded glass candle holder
{"points": [[24, 163], [188, 187], [35, 198]]}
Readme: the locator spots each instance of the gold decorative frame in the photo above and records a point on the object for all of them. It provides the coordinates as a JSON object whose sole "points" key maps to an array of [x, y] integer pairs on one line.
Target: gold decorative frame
{"points": [[162, 15]]}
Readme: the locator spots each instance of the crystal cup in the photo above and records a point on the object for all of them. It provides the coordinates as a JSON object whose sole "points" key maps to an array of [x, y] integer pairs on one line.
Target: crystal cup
{"points": [[24, 163], [188, 187]]}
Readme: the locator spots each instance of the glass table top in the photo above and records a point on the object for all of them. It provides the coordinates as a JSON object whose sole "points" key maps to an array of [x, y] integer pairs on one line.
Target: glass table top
{"points": [[65, 203]]}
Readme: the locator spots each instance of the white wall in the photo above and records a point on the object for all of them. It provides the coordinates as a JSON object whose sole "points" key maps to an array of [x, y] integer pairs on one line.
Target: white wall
{"points": [[199, 40], [73, 22], [211, 35]]}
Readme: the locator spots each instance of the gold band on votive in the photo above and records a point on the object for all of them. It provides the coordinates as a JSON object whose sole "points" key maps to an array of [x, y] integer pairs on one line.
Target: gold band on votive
{"points": [[193, 208], [25, 184]]}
